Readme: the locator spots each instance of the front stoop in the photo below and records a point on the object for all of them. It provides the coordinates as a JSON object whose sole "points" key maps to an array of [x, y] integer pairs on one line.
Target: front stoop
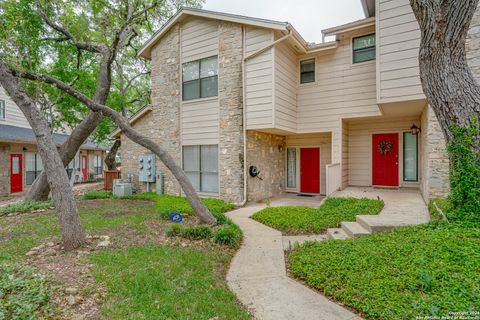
{"points": [[367, 224]]}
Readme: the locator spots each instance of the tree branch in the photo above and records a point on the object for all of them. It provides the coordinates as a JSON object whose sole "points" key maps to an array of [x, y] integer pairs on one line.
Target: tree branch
{"points": [[66, 34]]}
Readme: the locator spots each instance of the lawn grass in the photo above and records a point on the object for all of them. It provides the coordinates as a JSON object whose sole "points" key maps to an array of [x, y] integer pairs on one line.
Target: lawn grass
{"points": [[159, 282], [307, 220], [409, 272], [191, 279]]}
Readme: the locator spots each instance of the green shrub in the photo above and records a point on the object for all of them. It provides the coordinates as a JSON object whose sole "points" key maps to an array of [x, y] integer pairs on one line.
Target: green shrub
{"points": [[174, 230], [24, 294], [229, 235], [465, 173], [26, 206], [90, 195], [197, 232]]}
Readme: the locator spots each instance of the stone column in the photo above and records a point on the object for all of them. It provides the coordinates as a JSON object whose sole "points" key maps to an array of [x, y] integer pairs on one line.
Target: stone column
{"points": [[230, 94], [4, 171]]}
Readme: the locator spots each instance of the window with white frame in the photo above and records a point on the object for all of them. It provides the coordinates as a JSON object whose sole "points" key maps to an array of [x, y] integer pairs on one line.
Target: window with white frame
{"points": [[2, 109], [200, 164], [307, 71], [291, 168], [410, 157], [33, 167], [200, 78], [97, 165], [364, 48]]}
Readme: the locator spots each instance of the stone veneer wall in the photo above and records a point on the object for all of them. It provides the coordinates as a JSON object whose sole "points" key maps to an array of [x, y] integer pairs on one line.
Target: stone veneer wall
{"points": [[266, 152], [434, 157], [163, 122], [230, 94], [4, 171]]}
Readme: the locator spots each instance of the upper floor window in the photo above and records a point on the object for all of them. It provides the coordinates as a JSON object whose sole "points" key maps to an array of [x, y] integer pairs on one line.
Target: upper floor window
{"points": [[200, 78], [364, 48], [2, 109], [307, 71]]}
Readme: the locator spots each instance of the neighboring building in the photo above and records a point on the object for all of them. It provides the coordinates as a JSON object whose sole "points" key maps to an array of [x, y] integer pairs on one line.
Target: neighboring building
{"points": [[318, 117], [20, 162]]}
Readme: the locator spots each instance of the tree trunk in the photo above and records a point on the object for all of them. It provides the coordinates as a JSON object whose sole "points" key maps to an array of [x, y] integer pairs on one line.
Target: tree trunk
{"points": [[447, 80], [40, 188], [70, 224], [204, 215], [110, 159]]}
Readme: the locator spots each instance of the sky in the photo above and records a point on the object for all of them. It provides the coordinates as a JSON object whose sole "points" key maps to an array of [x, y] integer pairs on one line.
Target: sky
{"points": [[309, 17]]}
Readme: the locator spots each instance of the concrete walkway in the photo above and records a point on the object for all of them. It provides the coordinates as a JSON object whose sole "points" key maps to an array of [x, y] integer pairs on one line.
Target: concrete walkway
{"points": [[403, 207], [259, 278]]}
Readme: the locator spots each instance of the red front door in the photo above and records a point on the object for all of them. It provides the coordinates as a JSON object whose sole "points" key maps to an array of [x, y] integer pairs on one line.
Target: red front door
{"points": [[310, 170], [84, 167], [385, 159], [16, 175]]}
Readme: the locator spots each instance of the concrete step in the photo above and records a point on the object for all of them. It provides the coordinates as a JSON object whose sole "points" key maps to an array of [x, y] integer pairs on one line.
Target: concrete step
{"points": [[353, 229], [386, 222], [336, 234]]}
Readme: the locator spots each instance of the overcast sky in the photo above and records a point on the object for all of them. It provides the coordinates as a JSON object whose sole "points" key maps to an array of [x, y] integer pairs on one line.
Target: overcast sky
{"points": [[309, 17]]}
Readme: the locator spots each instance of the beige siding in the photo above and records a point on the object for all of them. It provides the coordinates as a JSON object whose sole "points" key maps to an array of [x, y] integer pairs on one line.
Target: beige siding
{"points": [[199, 39], [200, 122], [259, 79], [398, 37], [360, 145], [322, 140], [286, 83], [199, 118], [13, 115], [341, 90], [344, 158]]}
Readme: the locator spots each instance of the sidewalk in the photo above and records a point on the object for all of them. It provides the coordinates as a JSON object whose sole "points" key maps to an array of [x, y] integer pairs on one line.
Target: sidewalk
{"points": [[258, 277]]}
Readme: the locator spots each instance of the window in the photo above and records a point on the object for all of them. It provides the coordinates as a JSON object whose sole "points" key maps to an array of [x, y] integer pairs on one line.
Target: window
{"points": [[200, 79], [2, 109], [410, 156], [201, 166], [33, 167], [307, 71], [364, 48], [97, 165], [291, 167]]}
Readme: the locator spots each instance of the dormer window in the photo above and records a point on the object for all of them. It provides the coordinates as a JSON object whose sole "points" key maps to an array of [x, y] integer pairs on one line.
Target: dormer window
{"points": [[364, 48], [200, 79], [307, 71], [2, 109]]}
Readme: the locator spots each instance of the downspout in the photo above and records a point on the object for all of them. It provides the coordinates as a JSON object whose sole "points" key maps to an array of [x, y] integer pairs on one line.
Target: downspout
{"points": [[256, 53]]}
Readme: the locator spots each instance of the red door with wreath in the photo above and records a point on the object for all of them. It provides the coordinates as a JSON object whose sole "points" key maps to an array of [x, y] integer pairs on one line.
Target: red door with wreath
{"points": [[385, 159]]}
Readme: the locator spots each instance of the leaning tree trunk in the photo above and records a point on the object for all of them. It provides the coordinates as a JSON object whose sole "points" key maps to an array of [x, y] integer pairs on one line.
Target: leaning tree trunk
{"points": [[204, 215], [40, 188], [110, 159], [70, 225], [447, 80]]}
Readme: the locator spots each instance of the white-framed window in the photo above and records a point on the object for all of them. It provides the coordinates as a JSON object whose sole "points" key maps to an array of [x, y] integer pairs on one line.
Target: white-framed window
{"points": [[410, 156], [33, 167], [307, 71], [200, 79], [2, 110], [200, 164], [97, 165], [364, 48], [291, 168]]}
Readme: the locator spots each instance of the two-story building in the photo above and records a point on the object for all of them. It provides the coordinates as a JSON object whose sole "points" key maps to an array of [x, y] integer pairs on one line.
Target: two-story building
{"points": [[250, 110], [20, 162]]}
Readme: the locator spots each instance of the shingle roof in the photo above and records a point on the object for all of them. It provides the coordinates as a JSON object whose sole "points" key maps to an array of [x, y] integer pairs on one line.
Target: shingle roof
{"points": [[18, 134]]}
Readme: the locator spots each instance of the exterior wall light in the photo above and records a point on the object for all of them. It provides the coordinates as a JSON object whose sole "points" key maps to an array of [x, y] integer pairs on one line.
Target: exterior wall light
{"points": [[415, 130]]}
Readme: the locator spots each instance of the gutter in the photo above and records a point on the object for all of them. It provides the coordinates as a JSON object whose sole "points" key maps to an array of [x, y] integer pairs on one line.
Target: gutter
{"points": [[244, 93]]}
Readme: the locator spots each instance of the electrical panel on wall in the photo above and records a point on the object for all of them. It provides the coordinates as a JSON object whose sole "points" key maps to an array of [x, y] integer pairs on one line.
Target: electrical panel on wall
{"points": [[147, 168]]}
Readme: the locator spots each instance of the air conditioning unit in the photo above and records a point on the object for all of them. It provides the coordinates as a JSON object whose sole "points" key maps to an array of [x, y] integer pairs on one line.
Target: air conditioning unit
{"points": [[121, 189]]}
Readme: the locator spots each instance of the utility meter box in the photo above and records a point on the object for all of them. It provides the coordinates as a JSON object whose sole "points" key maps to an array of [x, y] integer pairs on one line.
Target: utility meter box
{"points": [[147, 168]]}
